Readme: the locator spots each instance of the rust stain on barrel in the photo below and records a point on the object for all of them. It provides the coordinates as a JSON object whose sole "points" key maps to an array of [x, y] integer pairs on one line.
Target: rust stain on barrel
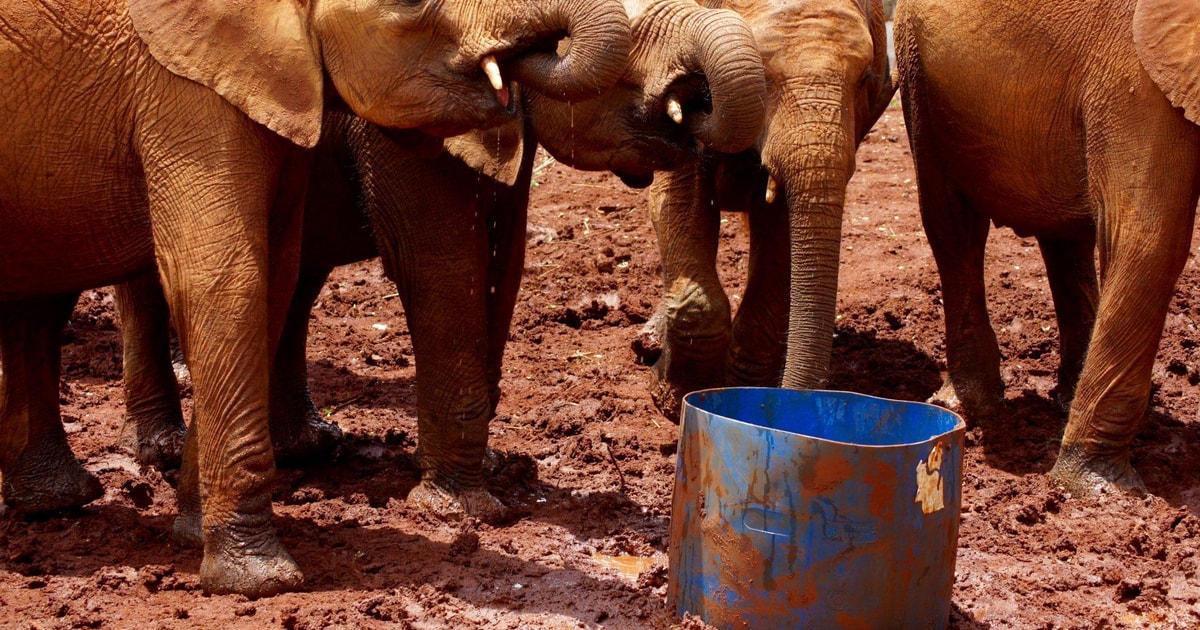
{"points": [[884, 481], [827, 473]]}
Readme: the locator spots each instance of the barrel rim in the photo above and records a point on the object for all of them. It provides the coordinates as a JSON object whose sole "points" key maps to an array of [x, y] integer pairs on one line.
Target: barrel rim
{"points": [[960, 425]]}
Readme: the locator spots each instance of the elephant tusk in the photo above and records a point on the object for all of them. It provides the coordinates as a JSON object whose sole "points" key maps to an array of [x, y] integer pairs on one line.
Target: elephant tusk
{"points": [[675, 110], [492, 70], [771, 186]]}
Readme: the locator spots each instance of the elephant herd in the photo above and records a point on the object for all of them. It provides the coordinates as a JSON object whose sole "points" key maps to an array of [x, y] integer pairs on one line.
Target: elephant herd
{"points": [[216, 160]]}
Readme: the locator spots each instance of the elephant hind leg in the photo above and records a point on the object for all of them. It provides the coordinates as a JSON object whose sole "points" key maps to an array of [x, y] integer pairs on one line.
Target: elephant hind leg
{"points": [[299, 433], [154, 429], [40, 473], [1146, 217], [1071, 270]]}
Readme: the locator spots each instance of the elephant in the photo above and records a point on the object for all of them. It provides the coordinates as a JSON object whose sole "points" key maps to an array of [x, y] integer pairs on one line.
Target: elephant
{"points": [[1078, 128], [458, 269], [171, 136], [828, 82]]}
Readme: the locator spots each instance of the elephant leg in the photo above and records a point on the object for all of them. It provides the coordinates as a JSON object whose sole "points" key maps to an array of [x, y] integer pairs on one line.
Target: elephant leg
{"points": [[38, 470], [957, 235], [154, 429], [228, 267], [1146, 217], [692, 323], [188, 529], [454, 402], [440, 267], [506, 266], [1071, 270], [298, 431], [759, 346]]}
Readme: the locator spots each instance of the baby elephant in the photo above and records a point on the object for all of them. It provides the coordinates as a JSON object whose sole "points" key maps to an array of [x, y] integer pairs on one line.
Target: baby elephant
{"points": [[451, 231], [1078, 127]]}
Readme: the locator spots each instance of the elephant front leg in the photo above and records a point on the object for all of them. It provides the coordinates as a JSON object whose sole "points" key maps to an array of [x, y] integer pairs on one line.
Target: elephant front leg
{"points": [[1071, 271], [506, 266], [442, 275], [957, 235], [153, 430], [216, 244], [687, 339], [759, 347], [38, 470], [454, 408], [298, 431]]}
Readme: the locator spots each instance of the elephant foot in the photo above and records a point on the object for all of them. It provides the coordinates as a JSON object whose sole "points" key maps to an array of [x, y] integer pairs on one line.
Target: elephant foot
{"points": [[1083, 474], [1062, 398], [49, 481], [187, 531], [648, 344], [976, 407], [254, 565], [454, 506], [685, 344], [673, 379], [155, 443], [315, 441], [649, 348], [667, 397]]}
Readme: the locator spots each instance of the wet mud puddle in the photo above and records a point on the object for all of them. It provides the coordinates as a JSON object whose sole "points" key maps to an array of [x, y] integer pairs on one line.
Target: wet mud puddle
{"points": [[628, 567]]}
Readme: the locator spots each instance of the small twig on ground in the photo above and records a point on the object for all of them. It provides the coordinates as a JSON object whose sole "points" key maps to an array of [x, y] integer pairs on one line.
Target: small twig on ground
{"points": [[332, 409], [611, 458], [540, 167]]}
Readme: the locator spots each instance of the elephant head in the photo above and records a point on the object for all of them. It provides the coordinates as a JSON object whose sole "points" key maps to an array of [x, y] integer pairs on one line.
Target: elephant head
{"points": [[694, 76], [829, 81], [434, 66]]}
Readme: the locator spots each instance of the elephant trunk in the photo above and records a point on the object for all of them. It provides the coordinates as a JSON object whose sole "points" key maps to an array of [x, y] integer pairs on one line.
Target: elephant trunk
{"points": [[600, 42], [725, 50], [813, 164]]}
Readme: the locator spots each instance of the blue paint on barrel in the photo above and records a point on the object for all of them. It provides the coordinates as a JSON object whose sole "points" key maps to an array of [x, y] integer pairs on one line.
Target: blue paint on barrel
{"points": [[815, 509]]}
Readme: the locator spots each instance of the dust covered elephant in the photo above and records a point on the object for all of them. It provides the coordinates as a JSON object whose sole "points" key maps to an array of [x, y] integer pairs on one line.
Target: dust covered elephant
{"points": [[163, 135], [827, 83], [1077, 127], [451, 231]]}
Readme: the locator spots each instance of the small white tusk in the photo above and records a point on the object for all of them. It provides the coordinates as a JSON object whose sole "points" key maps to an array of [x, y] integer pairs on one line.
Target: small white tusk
{"points": [[492, 70], [675, 110], [771, 185]]}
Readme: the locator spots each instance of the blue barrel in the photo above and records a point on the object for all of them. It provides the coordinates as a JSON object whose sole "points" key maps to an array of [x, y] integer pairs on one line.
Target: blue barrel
{"points": [[815, 509]]}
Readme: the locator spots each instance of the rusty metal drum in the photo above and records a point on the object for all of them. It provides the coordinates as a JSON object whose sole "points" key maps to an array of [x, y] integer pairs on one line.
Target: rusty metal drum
{"points": [[815, 509]]}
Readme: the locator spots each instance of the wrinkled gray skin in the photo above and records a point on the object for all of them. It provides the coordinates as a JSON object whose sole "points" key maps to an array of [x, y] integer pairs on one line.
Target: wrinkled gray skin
{"points": [[1080, 128], [828, 82], [112, 164], [458, 269]]}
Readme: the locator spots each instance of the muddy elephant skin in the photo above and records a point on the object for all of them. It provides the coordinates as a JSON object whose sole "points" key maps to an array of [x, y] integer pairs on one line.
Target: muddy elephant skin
{"points": [[451, 233], [168, 135], [827, 83], [1078, 128]]}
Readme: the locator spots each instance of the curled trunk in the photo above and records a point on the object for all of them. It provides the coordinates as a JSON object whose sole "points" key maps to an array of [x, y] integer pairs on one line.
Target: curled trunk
{"points": [[726, 52], [600, 41]]}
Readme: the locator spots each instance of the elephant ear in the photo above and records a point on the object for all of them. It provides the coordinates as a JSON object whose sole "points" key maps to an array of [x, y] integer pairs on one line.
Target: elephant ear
{"points": [[497, 153], [880, 80], [257, 54], [1166, 34]]}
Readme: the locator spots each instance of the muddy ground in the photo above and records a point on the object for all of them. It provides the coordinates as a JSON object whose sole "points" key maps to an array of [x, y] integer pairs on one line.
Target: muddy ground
{"points": [[584, 451]]}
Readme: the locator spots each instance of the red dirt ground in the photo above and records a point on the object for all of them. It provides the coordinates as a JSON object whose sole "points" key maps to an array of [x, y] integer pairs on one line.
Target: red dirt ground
{"points": [[582, 448]]}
